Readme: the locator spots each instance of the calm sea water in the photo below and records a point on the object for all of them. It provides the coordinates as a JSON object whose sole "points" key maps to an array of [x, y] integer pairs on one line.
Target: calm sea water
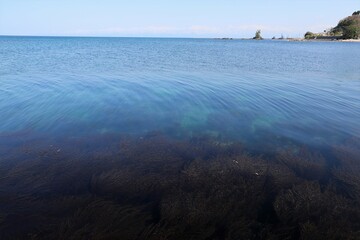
{"points": [[253, 91]]}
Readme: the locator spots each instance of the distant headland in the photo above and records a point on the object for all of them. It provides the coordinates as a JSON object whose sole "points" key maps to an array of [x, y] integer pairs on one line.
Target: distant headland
{"points": [[347, 29]]}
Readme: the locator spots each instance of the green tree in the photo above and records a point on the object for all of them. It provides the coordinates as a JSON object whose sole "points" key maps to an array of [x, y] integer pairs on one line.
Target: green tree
{"points": [[309, 35], [351, 32]]}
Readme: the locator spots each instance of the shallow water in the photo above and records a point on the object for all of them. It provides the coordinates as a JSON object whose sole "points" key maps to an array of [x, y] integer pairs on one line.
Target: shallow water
{"points": [[140, 138], [244, 90]]}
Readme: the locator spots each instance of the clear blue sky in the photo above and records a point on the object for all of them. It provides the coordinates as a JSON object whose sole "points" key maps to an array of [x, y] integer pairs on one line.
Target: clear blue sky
{"points": [[170, 18]]}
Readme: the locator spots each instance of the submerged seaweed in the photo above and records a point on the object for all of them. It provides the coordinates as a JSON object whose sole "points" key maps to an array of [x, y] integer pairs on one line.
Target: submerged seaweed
{"points": [[156, 187]]}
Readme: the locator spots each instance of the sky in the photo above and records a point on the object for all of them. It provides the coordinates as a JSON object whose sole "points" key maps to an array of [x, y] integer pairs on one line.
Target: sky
{"points": [[170, 18]]}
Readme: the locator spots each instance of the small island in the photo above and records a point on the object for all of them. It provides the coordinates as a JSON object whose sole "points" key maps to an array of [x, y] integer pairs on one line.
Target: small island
{"points": [[258, 35]]}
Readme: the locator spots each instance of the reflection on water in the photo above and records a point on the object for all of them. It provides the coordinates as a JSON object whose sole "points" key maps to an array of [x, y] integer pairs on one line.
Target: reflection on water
{"points": [[178, 139]]}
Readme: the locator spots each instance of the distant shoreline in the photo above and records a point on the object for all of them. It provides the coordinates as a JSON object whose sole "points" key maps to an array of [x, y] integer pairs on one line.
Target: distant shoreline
{"points": [[323, 40], [292, 39], [214, 38]]}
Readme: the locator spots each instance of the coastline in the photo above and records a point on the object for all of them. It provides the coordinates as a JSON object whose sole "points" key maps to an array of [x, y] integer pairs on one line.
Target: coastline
{"points": [[291, 40], [324, 40], [349, 40]]}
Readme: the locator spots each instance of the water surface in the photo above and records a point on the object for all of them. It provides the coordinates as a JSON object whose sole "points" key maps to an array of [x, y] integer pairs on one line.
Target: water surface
{"points": [[141, 138], [307, 92]]}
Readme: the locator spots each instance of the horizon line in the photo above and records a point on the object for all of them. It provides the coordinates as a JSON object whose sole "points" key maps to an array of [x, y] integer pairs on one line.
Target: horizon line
{"points": [[168, 37]]}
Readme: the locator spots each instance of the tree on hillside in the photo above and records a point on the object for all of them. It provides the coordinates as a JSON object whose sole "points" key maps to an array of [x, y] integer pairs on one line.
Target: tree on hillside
{"points": [[309, 35], [356, 13]]}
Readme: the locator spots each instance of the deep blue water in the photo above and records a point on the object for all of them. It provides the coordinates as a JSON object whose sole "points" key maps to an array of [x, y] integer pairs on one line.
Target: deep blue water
{"points": [[253, 91]]}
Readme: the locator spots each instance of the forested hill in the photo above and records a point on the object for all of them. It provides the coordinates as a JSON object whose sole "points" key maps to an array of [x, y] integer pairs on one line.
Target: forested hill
{"points": [[347, 28]]}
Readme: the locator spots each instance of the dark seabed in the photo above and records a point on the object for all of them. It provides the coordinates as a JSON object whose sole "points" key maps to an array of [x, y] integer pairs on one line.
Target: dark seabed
{"points": [[144, 138]]}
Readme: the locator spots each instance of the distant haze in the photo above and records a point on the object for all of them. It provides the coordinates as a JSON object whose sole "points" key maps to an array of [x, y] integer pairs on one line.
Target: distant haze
{"points": [[169, 18]]}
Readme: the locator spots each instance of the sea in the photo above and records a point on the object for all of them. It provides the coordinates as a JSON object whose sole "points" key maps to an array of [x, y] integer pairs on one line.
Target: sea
{"points": [[169, 138], [266, 94]]}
